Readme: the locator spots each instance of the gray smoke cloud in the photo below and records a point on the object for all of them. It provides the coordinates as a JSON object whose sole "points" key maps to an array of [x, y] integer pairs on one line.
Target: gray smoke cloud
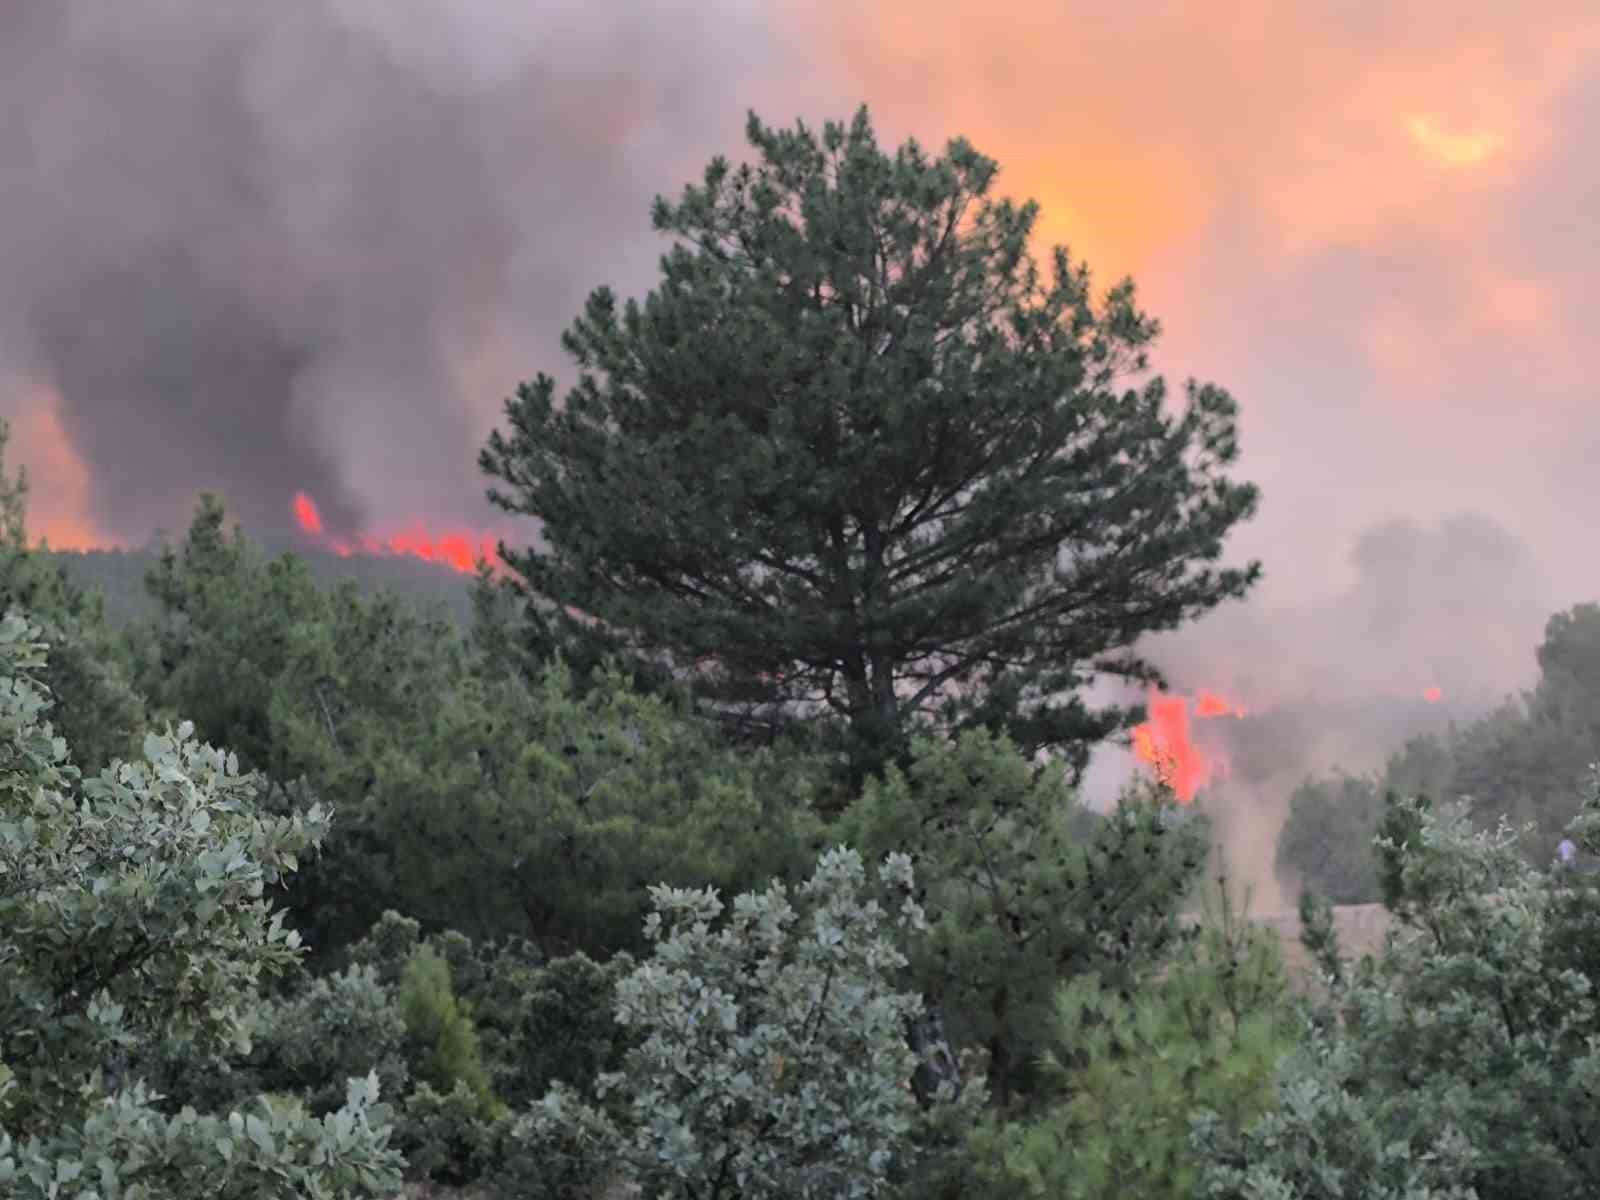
{"points": [[1457, 604], [313, 244], [1339, 681]]}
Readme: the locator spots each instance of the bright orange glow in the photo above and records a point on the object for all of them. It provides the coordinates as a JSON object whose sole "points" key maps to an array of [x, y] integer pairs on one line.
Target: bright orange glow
{"points": [[58, 480], [1209, 704], [1163, 743], [1452, 149], [1513, 304], [1432, 695], [461, 551], [305, 512], [1140, 128], [458, 550]]}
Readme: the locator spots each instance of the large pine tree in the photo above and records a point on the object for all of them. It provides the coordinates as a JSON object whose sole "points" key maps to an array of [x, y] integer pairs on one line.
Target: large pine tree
{"points": [[856, 456]]}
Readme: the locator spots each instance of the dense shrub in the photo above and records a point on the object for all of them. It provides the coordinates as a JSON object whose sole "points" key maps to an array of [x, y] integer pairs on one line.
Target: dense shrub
{"points": [[438, 1028], [561, 1029], [471, 797], [336, 1026], [448, 1136], [560, 1148], [1024, 888], [132, 913], [772, 1060], [1461, 1062], [1132, 1071], [88, 673]]}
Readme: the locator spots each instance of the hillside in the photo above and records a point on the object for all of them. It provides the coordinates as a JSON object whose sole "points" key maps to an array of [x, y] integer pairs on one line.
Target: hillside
{"points": [[119, 575]]}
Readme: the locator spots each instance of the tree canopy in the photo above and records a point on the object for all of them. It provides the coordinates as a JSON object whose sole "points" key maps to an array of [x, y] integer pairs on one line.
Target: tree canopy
{"points": [[470, 796], [855, 457]]}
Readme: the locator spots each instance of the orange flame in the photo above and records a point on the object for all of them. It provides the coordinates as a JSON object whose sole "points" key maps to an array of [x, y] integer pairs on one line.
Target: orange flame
{"points": [[1209, 704], [305, 512], [459, 551], [1163, 742], [59, 498]]}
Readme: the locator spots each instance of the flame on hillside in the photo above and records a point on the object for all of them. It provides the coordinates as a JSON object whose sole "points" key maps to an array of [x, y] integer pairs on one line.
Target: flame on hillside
{"points": [[461, 551], [59, 485]]}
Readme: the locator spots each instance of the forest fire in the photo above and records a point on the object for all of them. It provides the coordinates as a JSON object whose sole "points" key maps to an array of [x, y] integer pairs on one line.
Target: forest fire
{"points": [[458, 551], [1164, 743]]}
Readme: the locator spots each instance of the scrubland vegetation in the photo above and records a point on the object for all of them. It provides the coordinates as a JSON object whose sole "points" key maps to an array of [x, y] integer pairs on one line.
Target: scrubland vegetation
{"points": [[1524, 761], [769, 878]]}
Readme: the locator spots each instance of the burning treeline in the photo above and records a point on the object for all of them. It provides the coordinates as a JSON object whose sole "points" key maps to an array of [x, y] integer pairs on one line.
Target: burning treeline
{"points": [[1165, 744], [460, 551]]}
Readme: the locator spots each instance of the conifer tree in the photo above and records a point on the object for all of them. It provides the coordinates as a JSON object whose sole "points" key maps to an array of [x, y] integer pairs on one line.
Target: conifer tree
{"points": [[855, 456]]}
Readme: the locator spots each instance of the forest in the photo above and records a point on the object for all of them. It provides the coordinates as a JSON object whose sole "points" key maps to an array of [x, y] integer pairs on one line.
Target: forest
{"points": [[726, 840]]}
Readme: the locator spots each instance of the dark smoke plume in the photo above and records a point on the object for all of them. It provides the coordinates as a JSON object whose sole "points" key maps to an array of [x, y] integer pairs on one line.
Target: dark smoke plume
{"points": [[311, 244]]}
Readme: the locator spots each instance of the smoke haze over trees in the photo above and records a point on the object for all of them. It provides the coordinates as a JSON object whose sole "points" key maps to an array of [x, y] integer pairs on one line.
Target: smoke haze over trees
{"points": [[320, 238]]}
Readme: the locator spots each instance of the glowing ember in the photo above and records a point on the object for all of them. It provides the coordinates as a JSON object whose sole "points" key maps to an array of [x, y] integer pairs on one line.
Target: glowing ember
{"points": [[1432, 695]]}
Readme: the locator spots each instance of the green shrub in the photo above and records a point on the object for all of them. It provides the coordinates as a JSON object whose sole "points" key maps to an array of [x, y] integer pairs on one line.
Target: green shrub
{"points": [[1024, 888], [1463, 1061], [387, 947], [471, 798], [132, 914], [1134, 1069], [336, 1027], [1326, 842], [772, 1059], [88, 672], [448, 1137], [439, 1028], [561, 1148], [564, 1030]]}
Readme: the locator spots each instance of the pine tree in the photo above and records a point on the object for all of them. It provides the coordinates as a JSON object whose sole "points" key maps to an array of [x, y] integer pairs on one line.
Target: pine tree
{"points": [[854, 456]]}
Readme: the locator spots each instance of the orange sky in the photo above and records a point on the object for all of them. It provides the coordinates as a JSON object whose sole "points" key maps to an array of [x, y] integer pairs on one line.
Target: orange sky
{"points": [[1351, 215]]}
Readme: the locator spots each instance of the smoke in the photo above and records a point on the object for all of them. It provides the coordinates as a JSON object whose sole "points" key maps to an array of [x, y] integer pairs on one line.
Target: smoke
{"points": [[1458, 605], [312, 244], [1436, 625]]}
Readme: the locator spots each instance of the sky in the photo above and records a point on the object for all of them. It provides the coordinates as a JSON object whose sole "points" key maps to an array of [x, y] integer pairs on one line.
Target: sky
{"points": [[313, 245]]}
